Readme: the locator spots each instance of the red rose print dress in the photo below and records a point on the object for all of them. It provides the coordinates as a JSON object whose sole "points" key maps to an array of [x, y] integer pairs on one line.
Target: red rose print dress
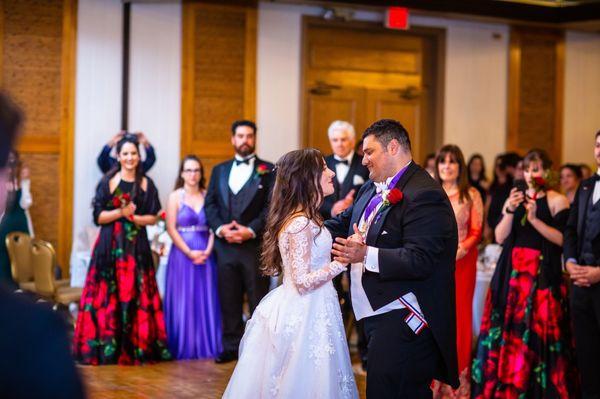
{"points": [[120, 315], [525, 348]]}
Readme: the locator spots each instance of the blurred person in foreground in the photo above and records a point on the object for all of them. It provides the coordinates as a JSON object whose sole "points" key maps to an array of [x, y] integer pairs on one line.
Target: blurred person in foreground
{"points": [[36, 361]]}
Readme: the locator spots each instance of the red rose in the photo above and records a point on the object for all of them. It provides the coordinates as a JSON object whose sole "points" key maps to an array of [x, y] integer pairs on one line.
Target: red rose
{"points": [[546, 314], [262, 169], [395, 196], [125, 273], [557, 376], [516, 367], [539, 181], [163, 215], [116, 202], [127, 197]]}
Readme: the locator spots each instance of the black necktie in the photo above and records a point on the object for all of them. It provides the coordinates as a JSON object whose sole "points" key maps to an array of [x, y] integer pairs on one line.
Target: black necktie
{"points": [[342, 161], [246, 161]]}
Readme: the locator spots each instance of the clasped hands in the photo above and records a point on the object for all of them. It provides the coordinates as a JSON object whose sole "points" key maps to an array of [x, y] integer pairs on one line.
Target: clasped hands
{"points": [[582, 275], [350, 250], [198, 257], [235, 233]]}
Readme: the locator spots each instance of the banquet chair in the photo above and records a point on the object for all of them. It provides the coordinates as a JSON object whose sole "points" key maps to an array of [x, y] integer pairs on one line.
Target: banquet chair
{"points": [[18, 245], [43, 259]]}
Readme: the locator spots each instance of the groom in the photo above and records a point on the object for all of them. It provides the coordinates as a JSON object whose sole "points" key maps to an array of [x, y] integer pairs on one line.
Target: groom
{"points": [[402, 251]]}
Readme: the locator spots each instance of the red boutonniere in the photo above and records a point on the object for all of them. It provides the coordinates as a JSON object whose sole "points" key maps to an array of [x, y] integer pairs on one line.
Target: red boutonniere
{"points": [[392, 197], [262, 169]]}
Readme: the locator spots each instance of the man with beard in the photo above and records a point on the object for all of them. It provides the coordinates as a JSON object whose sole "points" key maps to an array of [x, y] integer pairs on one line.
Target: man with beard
{"points": [[236, 208]]}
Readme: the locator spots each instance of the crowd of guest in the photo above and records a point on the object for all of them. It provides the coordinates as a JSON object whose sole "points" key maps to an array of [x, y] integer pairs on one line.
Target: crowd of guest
{"points": [[525, 346], [540, 332]]}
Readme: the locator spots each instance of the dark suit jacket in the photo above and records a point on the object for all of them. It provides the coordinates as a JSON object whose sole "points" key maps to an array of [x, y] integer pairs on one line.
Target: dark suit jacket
{"points": [[341, 190], [106, 162], [416, 255], [256, 201], [36, 358], [573, 234]]}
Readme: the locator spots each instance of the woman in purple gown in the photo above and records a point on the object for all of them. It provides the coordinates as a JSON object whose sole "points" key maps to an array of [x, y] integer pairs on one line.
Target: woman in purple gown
{"points": [[191, 303]]}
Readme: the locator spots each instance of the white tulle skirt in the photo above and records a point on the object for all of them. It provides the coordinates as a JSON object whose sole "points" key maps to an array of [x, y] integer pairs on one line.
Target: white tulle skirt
{"points": [[294, 347]]}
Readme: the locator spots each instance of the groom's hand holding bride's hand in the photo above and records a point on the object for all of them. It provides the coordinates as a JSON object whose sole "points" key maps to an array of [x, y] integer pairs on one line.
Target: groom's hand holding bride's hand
{"points": [[350, 250]]}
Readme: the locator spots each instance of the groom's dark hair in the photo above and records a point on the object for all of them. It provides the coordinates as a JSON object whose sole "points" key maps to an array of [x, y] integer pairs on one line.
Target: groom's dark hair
{"points": [[386, 130]]}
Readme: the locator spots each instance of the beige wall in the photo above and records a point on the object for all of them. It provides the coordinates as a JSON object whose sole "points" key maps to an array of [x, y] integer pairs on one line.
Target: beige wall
{"points": [[582, 97], [475, 76]]}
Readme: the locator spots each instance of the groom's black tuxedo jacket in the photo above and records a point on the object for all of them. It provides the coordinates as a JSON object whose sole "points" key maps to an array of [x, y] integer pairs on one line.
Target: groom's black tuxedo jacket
{"points": [[252, 206], [417, 240]]}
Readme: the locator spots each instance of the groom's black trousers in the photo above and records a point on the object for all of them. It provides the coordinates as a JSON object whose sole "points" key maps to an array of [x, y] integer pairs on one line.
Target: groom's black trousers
{"points": [[401, 364]]}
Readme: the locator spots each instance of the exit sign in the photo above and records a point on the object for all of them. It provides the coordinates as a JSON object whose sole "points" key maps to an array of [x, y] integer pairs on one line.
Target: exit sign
{"points": [[396, 18]]}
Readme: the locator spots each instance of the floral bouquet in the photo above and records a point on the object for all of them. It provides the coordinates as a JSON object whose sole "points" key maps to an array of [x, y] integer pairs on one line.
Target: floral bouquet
{"points": [[121, 200]]}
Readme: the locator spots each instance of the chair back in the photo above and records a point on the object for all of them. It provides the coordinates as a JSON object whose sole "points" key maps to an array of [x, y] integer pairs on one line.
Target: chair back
{"points": [[18, 245], [43, 258]]}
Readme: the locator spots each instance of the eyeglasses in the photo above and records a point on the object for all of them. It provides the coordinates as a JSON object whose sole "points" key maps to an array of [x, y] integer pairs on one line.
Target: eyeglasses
{"points": [[191, 171]]}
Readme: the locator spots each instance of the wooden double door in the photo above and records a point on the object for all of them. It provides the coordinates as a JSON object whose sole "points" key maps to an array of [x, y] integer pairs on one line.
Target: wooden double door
{"points": [[362, 73]]}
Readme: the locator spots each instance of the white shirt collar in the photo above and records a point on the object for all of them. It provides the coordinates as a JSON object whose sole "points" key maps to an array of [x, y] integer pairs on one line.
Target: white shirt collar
{"points": [[347, 158], [598, 172]]}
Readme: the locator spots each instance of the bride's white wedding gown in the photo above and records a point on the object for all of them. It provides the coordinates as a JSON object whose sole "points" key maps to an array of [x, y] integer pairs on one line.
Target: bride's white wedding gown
{"points": [[294, 345]]}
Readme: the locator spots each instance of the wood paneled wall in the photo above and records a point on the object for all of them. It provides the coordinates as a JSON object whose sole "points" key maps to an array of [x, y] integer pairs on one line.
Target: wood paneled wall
{"points": [[37, 67], [536, 90], [218, 76]]}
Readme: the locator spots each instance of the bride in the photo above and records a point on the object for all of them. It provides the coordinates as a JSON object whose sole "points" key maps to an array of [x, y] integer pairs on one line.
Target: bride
{"points": [[294, 345]]}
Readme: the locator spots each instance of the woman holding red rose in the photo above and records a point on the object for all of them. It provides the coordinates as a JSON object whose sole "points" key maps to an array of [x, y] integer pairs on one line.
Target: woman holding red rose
{"points": [[451, 172], [525, 346], [120, 315], [192, 312]]}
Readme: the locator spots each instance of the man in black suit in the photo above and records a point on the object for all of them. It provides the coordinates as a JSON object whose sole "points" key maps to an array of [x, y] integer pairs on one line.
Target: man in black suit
{"points": [[36, 361], [236, 207], [402, 250], [582, 251], [350, 174]]}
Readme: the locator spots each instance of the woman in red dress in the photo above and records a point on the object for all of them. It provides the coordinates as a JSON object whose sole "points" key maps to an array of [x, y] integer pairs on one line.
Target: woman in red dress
{"points": [[451, 172], [120, 315]]}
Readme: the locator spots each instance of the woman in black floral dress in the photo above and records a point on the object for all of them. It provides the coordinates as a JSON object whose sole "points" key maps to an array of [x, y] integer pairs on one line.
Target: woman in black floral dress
{"points": [[120, 315], [525, 347]]}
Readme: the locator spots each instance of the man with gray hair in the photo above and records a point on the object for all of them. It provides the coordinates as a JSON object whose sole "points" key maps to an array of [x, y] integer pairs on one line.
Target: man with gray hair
{"points": [[350, 174]]}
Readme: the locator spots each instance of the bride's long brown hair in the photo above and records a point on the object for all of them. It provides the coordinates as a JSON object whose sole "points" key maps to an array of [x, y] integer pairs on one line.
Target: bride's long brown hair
{"points": [[297, 190]]}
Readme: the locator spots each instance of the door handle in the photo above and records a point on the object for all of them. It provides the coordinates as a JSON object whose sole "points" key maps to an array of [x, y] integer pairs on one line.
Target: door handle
{"points": [[323, 88], [408, 92]]}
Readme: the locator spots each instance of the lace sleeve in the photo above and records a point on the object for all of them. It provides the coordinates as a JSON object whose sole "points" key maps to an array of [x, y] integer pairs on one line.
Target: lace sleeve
{"points": [[297, 239]]}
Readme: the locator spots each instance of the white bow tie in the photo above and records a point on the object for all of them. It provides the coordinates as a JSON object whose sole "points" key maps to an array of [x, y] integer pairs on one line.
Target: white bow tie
{"points": [[379, 187]]}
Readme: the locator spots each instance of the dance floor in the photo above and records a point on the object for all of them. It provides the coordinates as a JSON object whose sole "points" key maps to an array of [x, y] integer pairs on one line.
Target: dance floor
{"points": [[196, 379]]}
